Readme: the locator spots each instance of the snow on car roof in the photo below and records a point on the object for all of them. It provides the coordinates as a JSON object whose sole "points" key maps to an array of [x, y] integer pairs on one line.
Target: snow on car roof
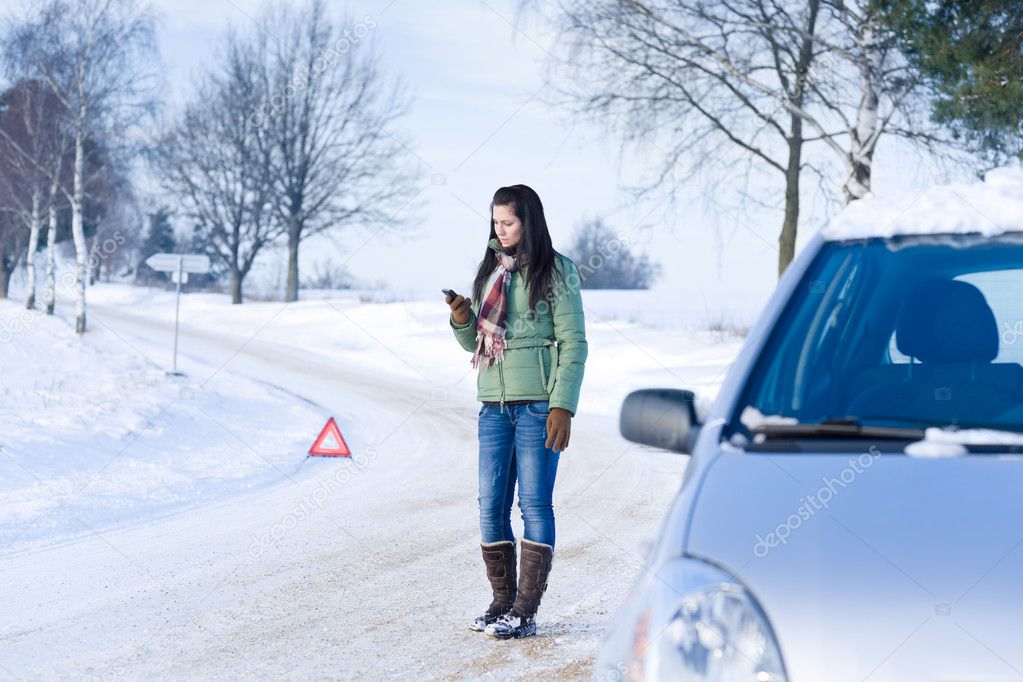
{"points": [[990, 207]]}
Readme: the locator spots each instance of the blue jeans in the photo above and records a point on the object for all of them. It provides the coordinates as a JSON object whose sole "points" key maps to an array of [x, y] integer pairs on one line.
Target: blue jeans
{"points": [[512, 447]]}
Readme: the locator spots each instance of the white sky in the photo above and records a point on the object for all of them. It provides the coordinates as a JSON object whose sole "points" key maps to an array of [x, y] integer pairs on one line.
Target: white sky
{"points": [[479, 121]]}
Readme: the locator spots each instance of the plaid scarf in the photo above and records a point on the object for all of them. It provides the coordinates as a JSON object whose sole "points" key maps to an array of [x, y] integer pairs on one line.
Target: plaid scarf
{"points": [[490, 321]]}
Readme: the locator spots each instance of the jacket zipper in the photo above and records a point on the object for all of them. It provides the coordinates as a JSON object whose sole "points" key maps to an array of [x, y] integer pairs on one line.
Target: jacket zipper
{"points": [[500, 371]]}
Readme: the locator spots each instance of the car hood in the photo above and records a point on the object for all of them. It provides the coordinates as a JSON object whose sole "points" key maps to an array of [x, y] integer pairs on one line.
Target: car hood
{"points": [[874, 566]]}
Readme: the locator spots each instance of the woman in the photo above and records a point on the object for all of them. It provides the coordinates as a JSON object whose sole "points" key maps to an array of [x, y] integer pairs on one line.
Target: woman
{"points": [[525, 328]]}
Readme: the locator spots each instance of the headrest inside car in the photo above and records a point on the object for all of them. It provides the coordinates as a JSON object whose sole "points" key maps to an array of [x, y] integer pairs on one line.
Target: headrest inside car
{"points": [[946, 320]]}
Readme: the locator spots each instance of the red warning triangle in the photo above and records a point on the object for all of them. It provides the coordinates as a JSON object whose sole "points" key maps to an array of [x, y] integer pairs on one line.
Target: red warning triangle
{"points": [[330, 431]]}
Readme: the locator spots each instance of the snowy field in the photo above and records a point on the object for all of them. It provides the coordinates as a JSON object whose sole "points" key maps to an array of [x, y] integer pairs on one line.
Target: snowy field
{"points": [[159, 526]]}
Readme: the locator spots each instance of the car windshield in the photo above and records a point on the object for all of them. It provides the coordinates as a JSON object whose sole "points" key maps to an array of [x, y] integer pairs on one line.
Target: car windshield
{"points": [[899, 332]]}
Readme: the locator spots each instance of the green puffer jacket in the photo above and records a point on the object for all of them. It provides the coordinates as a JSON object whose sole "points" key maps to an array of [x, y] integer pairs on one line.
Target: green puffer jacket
{"points": [[534, 368]]}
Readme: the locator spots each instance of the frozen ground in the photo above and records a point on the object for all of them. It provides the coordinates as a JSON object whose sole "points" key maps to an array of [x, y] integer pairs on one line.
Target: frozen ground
{"points": [[156, 526]]}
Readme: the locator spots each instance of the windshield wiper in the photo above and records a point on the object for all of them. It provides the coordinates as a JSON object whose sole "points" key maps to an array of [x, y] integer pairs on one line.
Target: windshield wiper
{"points": [[838, 429]]}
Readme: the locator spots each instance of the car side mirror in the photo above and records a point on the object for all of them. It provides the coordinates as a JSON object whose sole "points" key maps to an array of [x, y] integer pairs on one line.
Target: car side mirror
{"points": [[660, 417]]}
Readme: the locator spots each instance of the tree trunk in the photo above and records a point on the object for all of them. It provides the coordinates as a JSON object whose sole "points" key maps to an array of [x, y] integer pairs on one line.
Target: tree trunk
{"points": [[90, 267], [793, 166], [236, 284], [51, 258], [5, 278], [33, 246], [93, 263], [863, 140], [78, 230], [294, 235], [790, 224]]}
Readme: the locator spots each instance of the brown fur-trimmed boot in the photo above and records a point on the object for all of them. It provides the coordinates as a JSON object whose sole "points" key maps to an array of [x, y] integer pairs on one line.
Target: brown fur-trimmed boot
{"points": [[534, 568], [499, 558]]}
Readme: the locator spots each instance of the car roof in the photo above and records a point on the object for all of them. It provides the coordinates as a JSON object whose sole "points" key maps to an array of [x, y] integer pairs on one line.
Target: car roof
{"points": [[991, 207]]}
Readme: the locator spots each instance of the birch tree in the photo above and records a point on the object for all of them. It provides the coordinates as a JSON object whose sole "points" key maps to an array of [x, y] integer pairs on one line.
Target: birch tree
{"points": [[94, 56], [32, 143], [883, 94]]}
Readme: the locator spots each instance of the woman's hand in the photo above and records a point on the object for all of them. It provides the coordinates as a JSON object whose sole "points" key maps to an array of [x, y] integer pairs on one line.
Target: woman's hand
{"points": [[559, 427], [459, 308]]}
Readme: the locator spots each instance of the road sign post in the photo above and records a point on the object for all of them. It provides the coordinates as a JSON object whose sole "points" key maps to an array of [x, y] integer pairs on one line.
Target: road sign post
{"points": [[177, 314], [179, 265]]}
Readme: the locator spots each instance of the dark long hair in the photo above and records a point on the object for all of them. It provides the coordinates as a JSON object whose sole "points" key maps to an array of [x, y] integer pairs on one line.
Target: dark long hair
{"points": [[534, 242]]}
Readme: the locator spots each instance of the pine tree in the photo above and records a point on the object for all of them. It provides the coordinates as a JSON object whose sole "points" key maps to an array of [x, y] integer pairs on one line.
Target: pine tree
{"points": [[159, 239], [971, 54]]}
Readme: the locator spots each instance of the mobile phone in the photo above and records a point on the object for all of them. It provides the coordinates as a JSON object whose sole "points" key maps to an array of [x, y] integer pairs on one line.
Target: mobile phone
{"points": [[450, 292]]}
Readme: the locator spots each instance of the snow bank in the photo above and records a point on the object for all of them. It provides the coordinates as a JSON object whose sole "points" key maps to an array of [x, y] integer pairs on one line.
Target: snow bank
{"points": [[991, 207], [95, 434]]}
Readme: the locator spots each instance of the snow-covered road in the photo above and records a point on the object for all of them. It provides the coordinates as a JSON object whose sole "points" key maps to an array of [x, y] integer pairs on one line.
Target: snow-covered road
{"points": [[362, 568]]}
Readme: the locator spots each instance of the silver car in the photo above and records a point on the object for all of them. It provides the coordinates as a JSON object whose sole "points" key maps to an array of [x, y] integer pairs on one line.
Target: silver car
{"points": [[853, 508]]}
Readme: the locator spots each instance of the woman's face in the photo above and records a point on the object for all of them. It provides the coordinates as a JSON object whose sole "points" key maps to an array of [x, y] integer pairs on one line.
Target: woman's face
{"points": [[507, 225]]}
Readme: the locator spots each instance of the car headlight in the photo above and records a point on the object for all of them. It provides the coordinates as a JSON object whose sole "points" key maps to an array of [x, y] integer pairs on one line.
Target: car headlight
{"points": [[695, 622]]}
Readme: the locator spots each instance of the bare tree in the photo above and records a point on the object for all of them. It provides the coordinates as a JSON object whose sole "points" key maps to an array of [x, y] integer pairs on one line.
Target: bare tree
{"points": [[93, 55], [12, 245], [21, 185], [34, 145], [329, 115], [217, 161], [58, 180], [717, 85]]}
